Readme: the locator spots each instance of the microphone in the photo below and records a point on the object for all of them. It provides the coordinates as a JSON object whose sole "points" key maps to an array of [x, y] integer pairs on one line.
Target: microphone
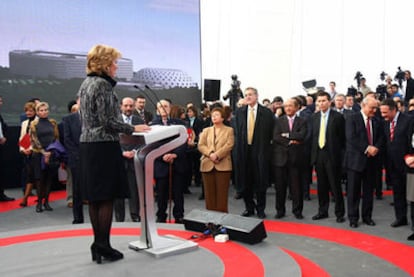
{"points": [[156, 98]]}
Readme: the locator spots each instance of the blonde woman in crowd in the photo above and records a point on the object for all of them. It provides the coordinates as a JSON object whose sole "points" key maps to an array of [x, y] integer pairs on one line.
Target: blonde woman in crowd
{"points": [[43, 132]]}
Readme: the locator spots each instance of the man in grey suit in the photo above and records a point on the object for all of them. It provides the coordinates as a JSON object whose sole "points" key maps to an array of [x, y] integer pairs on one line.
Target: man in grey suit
{"points": [[127, 107]]}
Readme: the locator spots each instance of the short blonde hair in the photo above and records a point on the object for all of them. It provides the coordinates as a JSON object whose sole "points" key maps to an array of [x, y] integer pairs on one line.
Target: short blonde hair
{"points": [[41, 104], [100, 58]]}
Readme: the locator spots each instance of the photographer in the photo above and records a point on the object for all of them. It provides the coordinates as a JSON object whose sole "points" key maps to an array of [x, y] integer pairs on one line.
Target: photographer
{"points": [[234, 94]]}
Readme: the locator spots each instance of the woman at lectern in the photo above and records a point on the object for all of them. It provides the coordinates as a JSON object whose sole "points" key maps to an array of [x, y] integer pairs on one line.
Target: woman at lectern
{"points": [[215, 145], [102, 173]]}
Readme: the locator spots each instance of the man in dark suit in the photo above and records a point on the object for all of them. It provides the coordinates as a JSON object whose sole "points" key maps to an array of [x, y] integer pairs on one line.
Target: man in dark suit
{"points": [[140, 111], [364, 141], [409, 87], [128, 152], [288, 137], [398, 131], [328, 139], [306, 112], [174, 163], [253, 136], [72, 131], [350, 104], [3, 129]]}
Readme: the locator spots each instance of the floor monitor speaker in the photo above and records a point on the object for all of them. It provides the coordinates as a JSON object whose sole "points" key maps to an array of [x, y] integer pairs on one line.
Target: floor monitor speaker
{"points": [[239, 228]]}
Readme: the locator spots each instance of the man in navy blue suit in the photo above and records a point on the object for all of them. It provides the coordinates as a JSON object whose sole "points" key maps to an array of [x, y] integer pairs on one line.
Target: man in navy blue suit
{"points": [[398, 130], [72, 132], [176, 161], [364, 141]]}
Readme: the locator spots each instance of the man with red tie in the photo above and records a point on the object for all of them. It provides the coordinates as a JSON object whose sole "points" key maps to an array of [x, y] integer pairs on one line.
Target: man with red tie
{"points": [[398, 130], [364, 141]]}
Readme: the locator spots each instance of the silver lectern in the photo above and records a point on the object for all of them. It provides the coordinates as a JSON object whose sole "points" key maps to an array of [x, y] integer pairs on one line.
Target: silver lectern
{"points": [[159, 141]]}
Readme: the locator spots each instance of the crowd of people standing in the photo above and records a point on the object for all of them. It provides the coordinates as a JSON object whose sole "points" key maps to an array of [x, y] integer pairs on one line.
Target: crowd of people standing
{"points": [[346, 141]]}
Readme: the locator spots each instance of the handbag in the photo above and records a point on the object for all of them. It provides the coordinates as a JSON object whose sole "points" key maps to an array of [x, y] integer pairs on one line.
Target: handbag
{"points": [[25, 141]]}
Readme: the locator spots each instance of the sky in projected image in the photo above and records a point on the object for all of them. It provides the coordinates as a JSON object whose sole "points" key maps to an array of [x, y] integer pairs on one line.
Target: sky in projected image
{"points": [[153, 33]]}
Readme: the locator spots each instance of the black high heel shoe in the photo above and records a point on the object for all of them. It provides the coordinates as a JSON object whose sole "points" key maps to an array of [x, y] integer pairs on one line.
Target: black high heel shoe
{"points": [[106, 252], [95, 256], [47, 207], [39, 208]]}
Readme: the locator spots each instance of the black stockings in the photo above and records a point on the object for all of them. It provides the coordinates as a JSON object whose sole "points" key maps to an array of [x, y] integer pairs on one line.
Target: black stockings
{"points": [[100, 213]]}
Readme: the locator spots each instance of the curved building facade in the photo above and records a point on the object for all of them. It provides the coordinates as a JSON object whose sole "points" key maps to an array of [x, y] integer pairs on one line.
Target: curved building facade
{"points": [[47, 64], [164, 78]]}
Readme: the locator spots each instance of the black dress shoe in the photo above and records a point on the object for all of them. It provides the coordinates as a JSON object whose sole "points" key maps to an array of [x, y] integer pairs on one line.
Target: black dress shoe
{"points": [[340, 219], [369, 222], [399, 222], [353, 224], [161, 220], [261, 215], [279, 215], [238, 195], [77, 221], [179, 221], [136, 219], [299, 216], [411, 237], [319, 216], [247, 213], [4, 198]]}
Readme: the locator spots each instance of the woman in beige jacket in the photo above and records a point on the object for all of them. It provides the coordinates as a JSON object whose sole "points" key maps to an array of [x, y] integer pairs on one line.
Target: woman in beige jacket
{"points": [[215, 145]]}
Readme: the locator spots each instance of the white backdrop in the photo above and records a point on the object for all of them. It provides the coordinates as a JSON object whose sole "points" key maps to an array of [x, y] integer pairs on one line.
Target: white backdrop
{"points": [[274, 45]]}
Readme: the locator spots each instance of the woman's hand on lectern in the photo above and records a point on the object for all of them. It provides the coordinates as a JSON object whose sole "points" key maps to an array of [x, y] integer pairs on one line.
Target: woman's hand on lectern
{"points": [[141, 128]]}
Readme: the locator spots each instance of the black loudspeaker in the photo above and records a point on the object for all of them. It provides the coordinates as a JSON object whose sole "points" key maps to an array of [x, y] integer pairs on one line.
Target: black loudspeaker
{"points": [[244, 229], [211, 90]]}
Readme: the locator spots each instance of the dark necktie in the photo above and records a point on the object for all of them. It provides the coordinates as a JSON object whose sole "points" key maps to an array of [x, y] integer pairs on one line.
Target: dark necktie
{"points": [[369, 131]]}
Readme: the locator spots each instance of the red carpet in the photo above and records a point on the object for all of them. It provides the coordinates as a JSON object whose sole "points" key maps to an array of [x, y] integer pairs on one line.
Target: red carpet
{"points": [[309, 268], [12, 205], [399, 254]]}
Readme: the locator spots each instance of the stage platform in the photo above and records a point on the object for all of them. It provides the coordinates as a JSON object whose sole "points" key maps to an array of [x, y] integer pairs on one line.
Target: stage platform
{"points": [[45, 244]]}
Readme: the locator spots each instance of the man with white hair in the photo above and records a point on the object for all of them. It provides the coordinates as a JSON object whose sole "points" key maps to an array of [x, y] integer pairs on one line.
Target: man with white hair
{"points": [[364, 141]]}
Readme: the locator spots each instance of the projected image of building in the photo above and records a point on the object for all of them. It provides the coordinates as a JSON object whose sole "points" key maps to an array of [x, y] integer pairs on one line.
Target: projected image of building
{"points": [[48, 64], [163, 78]]}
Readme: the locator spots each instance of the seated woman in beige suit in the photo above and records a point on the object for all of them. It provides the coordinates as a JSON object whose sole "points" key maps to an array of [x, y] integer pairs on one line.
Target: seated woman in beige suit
{"points": [[215, 145]]}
